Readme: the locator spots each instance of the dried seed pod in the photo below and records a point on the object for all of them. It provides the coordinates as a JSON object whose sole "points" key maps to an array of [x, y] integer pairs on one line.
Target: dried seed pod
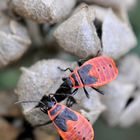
{"points": [[112, 30], [101, 13], [130, 74], [131, 114], [14, 40], [128, 4], [43, 11], [77, 34], [116, 98], [116, 34]]}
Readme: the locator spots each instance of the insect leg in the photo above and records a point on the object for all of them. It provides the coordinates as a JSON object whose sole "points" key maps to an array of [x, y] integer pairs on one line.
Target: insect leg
{"points": [[74, 91], [81, 61], [99, 91], [99, 53], [71, 70], [71, 100], [46, 123], [86, 92]]}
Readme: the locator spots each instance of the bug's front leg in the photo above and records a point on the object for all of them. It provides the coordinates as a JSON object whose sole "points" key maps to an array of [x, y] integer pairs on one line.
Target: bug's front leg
{"points": [[70, 69]]}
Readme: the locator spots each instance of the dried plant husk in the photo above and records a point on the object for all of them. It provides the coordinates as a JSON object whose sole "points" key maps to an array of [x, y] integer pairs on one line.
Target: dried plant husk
{"points": [[117, 36], [116, 96], [14, 40], [77, 35], [43, 11], [92, 29]]}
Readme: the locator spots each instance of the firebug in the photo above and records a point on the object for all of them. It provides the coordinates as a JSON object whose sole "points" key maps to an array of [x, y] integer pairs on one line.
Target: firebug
{"points": [[69, 124], [94, 73]]}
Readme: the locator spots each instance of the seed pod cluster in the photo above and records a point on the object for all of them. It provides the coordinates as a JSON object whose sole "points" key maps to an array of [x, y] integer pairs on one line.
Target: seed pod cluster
{"points": [[70, 29]]}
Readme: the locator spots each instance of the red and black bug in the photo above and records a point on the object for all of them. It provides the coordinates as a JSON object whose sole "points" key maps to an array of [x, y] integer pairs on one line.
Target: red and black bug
{"points": [[70, 124], [93, 73]]}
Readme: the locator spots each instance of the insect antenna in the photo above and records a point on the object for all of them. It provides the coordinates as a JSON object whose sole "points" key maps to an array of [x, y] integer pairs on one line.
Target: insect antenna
{"points": [[24, 101]]}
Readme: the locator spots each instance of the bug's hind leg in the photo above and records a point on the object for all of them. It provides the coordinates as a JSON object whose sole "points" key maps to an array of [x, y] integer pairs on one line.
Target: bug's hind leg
{"points": [[46, 123], [86, 93], [99, 91], [71, 70], [70, 101]]}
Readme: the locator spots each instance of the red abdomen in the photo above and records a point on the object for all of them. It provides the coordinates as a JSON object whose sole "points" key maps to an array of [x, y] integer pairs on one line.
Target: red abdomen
{"points": [[70, 124], [103, 69]]}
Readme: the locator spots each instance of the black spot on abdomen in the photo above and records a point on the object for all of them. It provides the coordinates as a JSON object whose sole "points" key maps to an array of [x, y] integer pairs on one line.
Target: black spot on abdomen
{"points": [[84, 75]]}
